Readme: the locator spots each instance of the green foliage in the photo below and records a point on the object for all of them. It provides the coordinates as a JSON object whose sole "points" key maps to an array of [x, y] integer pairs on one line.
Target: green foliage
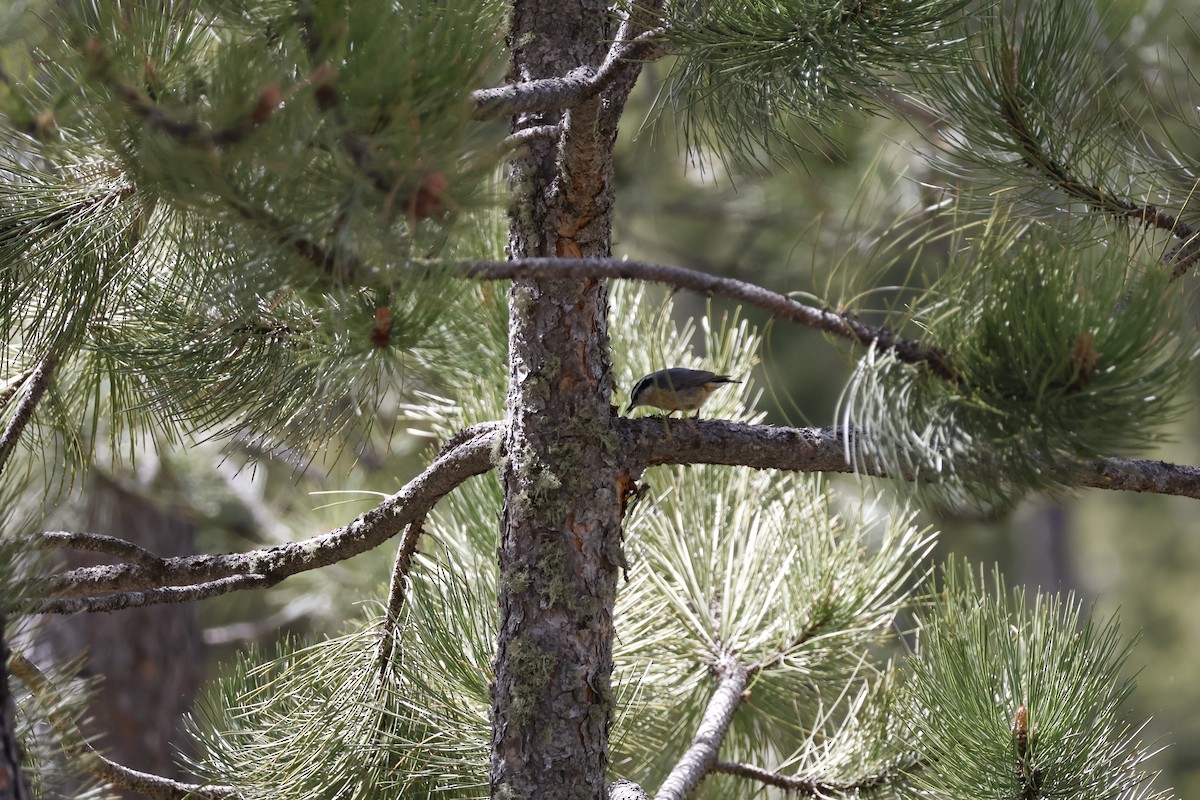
{"points": [[1020, 696], [1063, 352], [1035, 106], [746, 71], [722, 560], [229, 214], [330, 721], [759, 565], [51, 769], [232, 213]]}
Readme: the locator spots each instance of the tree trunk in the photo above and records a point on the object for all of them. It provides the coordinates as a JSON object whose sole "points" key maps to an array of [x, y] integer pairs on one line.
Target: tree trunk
{"points": [[560, 537]]}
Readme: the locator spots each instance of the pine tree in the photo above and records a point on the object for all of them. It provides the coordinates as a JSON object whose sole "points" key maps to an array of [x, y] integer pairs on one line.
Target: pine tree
{"points": [[275, 223]]}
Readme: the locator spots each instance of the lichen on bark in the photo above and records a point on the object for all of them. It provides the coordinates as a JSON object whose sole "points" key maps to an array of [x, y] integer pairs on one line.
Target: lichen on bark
{"points": [[551, 705]]}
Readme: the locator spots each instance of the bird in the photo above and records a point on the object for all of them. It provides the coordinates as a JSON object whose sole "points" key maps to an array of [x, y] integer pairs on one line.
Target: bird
{"points": [[676, 389]]}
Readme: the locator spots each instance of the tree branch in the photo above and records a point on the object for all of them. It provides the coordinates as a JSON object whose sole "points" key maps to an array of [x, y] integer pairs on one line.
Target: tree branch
{"points": [[577, 86], [733, 443], [100, 543], [398, 591], [843, 324], [644, 441], [547, 94], [622, 789], [624, 68], [1140, 475], [188, 132], [700, 757], [189, 577], [813, 787], [527, 135], [150, 597], [823, 450], [38, 381], [73, 741], [1011, 97]]}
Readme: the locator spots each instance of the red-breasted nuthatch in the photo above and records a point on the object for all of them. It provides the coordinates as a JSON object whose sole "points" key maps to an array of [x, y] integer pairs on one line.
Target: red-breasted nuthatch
{"points": [[676, 389]]}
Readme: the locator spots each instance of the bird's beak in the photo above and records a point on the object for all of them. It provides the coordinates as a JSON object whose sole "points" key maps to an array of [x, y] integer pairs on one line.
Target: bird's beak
{"points": [[629, 409]]}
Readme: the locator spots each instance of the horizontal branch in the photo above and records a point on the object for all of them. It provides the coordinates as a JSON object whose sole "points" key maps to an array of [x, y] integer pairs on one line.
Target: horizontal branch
{"points": [[151, 597], [100, 543], [470, 453], [645, 442], [843, 325], [546, 94], [813, 787], [1140, 475], [651, 440], [648, 441], [527, 135], [577, 86]]}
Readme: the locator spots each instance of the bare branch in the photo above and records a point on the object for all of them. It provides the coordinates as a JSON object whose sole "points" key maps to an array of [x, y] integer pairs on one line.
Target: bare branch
{"points": [[646, 442], [844, 325], [73, 741], [38, 382], [630, 52], [11, 386], [1140, 475], [150, 597], [624, 63], [398, 591], [527, 135], [700, 757], [547, 94], [100, 543], [577, 86], [204, 575], [813, 787]]}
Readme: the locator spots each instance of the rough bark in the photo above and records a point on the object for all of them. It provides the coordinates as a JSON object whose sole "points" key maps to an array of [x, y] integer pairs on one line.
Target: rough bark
{"points": [[701, 755], [560, 531]]}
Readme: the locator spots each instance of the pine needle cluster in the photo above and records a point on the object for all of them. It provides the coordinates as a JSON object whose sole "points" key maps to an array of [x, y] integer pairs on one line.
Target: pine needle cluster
{"points": [[333, 720], [1020, 695], [1063, 351], [228, 208], [760, 567], [746, 72], [1035, 106]]}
